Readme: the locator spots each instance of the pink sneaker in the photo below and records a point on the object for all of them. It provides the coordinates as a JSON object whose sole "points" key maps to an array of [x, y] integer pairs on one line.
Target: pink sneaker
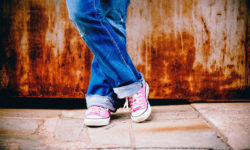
{"points": [[139, 105], [97, 116]]}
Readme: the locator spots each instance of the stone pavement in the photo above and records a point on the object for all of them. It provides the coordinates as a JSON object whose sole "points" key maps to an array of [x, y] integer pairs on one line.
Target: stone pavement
{"points": [[195, 126]]}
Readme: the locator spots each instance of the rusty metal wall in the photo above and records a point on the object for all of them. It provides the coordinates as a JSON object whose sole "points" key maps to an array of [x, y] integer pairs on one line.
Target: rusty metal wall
{"points": [[186, 49]]}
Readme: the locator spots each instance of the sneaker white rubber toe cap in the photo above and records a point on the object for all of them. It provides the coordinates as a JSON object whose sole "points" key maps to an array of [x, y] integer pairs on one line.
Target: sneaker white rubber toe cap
{"points": [[96, 121], [141, 115]]}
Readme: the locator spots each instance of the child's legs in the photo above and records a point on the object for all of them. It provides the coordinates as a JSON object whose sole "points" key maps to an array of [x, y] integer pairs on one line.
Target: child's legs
{"points": [[108, 47], [115, 12], [100, 91]]}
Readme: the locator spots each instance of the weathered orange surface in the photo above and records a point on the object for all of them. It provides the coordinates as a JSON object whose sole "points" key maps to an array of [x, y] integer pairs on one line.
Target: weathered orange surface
{"points": [[187, 49]]}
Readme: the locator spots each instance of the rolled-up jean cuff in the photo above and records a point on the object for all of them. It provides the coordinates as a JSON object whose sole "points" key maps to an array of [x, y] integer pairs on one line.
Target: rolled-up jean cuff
{"points": [[129, 90], [99, 100]]}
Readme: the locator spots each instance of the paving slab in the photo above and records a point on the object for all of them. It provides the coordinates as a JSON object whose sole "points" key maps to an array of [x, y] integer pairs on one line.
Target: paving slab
{"points": [[176, 127], [68, 129], [114, 135], [30, 113], [232, 120], [20, 142], [19, 125]]}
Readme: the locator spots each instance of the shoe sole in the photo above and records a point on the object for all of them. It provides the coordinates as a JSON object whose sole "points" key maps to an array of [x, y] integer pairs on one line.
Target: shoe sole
{"points": [[96, 122], [147, 113]]}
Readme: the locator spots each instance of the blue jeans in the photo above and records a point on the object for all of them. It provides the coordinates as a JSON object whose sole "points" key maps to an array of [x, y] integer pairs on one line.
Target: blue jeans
{"points": [[102, 25]]}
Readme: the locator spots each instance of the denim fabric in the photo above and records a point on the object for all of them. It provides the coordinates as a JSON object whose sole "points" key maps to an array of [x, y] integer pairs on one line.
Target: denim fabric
{"points": [[102, 25]]}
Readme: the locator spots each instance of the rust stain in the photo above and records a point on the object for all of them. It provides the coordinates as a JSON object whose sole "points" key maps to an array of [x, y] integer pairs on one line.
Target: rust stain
{"points": [[173, 73], [175, 128], [53, 61], [171, 64], [37, 27], [248, 43], [206, 44], [171, 61]]}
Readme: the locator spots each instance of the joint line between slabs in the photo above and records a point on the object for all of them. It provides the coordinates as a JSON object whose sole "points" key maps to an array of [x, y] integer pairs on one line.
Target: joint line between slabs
{"points": [[211, 125]]}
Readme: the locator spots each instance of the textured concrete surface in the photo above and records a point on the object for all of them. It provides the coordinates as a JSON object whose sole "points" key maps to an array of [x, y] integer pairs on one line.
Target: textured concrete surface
{"points": [[232, 120], [170, 127]]}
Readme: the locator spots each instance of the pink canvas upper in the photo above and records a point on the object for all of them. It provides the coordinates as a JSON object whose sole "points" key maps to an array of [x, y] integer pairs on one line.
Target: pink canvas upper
{"points": [[97, 112], [138, 101]]}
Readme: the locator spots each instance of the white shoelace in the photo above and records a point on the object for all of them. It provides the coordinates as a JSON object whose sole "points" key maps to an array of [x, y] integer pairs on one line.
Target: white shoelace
{"points": [[97, 109], [139, 102], [126, 105]]}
